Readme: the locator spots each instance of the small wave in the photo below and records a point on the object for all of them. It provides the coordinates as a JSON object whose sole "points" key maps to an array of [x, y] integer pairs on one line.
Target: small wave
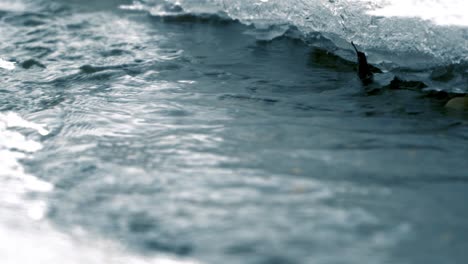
{"points": [[27, 64], [408, 38], [329, 26]]}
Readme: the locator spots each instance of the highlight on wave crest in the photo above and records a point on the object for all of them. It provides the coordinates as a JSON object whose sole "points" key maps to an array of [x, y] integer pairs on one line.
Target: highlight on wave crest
{"points": [[397, 27], [440, 12]]}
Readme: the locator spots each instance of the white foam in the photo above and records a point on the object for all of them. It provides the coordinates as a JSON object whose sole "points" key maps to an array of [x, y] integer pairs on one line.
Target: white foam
{"points": [[15, 181], [7, 65], [28, 242], [14, 120], [22, 242], [446, 12], [26, 237], [14, 146]]}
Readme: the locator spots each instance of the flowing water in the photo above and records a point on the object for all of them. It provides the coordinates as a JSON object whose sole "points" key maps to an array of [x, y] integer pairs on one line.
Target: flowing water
{"points": [[230, 132]]}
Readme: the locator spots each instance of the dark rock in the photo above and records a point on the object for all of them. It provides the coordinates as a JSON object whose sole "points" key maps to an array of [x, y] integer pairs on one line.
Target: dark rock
{"points": [[397, 84]]}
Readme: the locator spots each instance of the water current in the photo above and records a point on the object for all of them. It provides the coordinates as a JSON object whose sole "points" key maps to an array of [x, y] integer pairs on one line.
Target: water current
{"points": [[230, 132]]}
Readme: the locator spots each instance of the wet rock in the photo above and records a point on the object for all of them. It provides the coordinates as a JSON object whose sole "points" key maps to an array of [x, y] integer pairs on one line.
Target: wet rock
{"points": [[458, 103], [440, 95], [364, 71], [398, 83]]}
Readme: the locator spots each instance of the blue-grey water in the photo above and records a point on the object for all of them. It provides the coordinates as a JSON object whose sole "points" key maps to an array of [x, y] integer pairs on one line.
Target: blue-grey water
{"points": [[210, 132]]}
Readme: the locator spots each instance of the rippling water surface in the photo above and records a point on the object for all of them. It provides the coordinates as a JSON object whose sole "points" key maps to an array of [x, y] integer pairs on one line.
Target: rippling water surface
{"points": [[139, 132]]}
